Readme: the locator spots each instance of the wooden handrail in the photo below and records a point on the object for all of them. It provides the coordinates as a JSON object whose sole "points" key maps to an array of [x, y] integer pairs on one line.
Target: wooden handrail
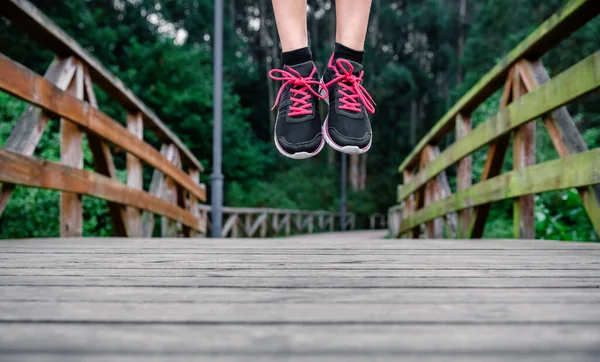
{"points": [[426, 202], [67, 91], [558, 27], [23, 14], [265, 222]]}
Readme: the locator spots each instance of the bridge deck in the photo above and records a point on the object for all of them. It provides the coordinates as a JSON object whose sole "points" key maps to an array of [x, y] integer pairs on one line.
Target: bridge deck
{"points": [[327, 297]]}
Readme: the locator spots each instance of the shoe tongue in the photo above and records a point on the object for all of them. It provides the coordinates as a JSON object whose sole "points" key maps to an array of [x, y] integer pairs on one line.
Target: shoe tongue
{"points": [[357, 66], [303, 68]]}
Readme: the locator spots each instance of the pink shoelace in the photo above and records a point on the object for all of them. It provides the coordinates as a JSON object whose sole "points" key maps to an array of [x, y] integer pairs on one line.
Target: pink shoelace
{"points": [[353, 93], [301, 90]]}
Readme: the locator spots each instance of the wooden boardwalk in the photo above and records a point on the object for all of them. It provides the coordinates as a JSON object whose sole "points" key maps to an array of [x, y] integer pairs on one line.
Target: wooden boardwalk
{"points": [[329, 297]]}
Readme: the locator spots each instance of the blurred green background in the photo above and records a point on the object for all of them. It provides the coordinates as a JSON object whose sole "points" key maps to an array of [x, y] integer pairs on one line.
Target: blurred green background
{"points": [[421, 56]]}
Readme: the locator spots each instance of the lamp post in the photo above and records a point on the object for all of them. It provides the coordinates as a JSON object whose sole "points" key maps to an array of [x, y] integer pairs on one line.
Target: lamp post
{"points": [[343, 193], [217, 175]]}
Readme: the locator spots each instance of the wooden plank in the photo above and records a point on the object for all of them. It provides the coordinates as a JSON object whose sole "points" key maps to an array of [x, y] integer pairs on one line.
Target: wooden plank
{"points": [[31, 125], [33, 21], [315, 312], [464, 173], [559, 26], [523, 156], [294, 342], [573, 83], [103, 161], [32, 172], [135, 125], [71, 154], [229, 225], [572, 171], [564, 134], [24, 84]]}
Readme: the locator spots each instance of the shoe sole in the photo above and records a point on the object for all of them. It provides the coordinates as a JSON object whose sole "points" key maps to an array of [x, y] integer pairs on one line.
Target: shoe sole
{"points": [[351, 150], [299, 155]]}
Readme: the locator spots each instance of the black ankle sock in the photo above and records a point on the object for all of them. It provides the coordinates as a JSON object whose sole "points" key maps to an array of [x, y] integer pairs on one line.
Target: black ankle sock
{"points": [[297, 56], [342, 51]]}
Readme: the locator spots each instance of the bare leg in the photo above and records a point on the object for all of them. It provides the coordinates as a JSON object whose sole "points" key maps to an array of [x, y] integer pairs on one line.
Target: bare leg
{"points": [[290, 16], [352, 22]]}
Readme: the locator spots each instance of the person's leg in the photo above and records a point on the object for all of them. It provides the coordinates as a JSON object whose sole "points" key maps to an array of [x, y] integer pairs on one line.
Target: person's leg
{"points": [[290, 16], [351, 23], [347, 127], [298, 124]]}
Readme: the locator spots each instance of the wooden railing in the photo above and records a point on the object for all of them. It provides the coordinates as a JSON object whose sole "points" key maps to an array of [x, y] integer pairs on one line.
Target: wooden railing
{"points": [[378, 221], [264, 222], [66, 90], [528, 93]]}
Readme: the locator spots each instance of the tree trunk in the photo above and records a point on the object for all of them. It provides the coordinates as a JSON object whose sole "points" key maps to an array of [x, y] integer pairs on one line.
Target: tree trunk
{"points": [[264, 43], [413, 122], [461, 40], [354, 172], [363, 172]]}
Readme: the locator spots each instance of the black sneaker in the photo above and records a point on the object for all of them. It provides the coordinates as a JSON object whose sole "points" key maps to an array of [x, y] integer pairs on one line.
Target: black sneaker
{"points": [[347, 127], [298, 125]]}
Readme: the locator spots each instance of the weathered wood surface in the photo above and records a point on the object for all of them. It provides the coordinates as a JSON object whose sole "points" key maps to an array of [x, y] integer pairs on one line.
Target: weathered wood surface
{"points": [[574, 15], [41, 28], [326, 297]]}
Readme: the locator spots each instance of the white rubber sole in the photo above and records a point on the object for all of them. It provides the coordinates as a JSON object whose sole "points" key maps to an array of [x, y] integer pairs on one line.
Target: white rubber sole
{"points": [[351, 150], [299, 155]]}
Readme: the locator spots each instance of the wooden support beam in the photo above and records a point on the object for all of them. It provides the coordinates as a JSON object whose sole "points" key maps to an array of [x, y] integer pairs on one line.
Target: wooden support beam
{"points": [[193, 203], [32, 172], [135, 125], [564, 135], [156, 189], [30, 127], [493, 163], [25, 84], [71, 154], [103, 162], [434, 228], [523, 156], [169, 225], [464, 174], [573, 171]]}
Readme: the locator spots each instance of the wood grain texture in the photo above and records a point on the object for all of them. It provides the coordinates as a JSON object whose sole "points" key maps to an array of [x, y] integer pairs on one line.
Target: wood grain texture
{"points": [[564, 135], [574, 171], [24, 84], [38, 25], [464, 175], [71, 154], [30, 127], [135, 125], [104, 163], [573, 83], [570, 18], [33, 172], [523, 156], [326, 297]]}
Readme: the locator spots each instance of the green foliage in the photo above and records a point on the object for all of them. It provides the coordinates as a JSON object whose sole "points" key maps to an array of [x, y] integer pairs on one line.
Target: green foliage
{"points": [[162, 50]]}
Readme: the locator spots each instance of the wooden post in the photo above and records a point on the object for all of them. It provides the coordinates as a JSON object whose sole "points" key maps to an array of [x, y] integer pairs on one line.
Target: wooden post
{"points": [[169, 226], [135, 125], [71, 154], [288, 224], [192, 205], [411, 202], [431, 192], [523, 156], [464, 176], [564, 134]]}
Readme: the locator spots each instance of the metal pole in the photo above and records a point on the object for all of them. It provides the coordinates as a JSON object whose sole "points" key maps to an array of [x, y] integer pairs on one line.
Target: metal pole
{"points": [[217, 175], [343, 194]]}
